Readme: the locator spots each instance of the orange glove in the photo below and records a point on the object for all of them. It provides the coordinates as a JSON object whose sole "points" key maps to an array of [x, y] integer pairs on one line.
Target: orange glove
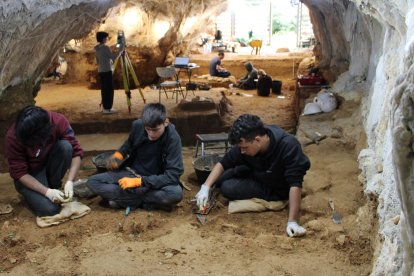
{"points": [[114, 161], [130, 182]]}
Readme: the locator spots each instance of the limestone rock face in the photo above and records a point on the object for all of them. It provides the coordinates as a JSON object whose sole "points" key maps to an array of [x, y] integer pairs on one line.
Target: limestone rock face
{"points": [[155, 32], [33, 32], [369, 44]]}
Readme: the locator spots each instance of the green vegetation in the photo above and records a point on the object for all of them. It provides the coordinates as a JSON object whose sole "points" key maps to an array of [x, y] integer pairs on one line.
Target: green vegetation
{"points": [[281, 26]]}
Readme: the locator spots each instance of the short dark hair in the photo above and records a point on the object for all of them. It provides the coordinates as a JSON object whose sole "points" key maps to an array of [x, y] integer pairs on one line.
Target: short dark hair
{"points": [[33, 126], [154, 114], [247, 126], [100, 36], [221, 53]]}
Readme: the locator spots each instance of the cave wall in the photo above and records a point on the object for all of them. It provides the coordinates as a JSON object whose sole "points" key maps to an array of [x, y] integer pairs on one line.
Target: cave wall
{"points": [[32, 33], [370, 44], [30, 36], [156, 31]]}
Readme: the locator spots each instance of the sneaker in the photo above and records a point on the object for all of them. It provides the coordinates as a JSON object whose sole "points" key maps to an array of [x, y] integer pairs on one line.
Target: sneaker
{"points": [[109, 204], [113, 204], [81, 190], [108, 111]]}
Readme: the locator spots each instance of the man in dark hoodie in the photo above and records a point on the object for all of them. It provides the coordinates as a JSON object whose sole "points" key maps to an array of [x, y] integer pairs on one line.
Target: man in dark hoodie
{"points": [[247, 82], [266, 163], [153, 152], [105, 58]]}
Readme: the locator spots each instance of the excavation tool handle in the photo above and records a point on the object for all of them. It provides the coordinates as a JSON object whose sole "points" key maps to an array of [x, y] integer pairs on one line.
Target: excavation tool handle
{"points": [[122, 222], [336, 217], [132, 171], [127, 211]]}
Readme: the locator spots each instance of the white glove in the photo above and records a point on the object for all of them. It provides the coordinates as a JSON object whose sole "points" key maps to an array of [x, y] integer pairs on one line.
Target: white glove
{"points": [[55, 196], [202, 196], [68, 189], [293, 229]]}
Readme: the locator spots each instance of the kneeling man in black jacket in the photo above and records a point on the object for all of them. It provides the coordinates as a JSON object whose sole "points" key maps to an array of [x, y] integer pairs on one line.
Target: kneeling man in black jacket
{"points": [[266, 163]]}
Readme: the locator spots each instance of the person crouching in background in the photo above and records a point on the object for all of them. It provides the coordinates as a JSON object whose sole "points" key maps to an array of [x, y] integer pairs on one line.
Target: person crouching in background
{"points": [[264, 83]]}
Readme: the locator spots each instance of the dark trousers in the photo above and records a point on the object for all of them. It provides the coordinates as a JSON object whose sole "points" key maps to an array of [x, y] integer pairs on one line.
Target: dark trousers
{"points": [[107, 89], [246, 85], [235, 186], [106, 185], [60, 158], [222, 74]]}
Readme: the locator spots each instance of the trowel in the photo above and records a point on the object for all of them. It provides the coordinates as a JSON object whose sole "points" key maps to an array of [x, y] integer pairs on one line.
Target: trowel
{"points": [[122, 222], [201, 215], [336, 217]]}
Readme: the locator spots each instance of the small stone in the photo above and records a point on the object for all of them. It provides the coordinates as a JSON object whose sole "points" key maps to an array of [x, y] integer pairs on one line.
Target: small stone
{"points": [[341, 239], [396, 219], [315, 225]]}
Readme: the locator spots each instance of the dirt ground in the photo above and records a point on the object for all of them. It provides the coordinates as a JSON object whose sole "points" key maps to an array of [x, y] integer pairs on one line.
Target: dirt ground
{"points": [[162, 243]]}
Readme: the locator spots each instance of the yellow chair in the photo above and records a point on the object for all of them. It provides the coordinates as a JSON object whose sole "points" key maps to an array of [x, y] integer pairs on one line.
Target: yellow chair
{"points": [[256, 45]]}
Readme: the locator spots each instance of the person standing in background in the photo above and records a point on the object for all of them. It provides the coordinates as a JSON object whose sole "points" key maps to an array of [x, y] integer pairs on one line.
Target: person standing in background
{"points": [[105, 58]]}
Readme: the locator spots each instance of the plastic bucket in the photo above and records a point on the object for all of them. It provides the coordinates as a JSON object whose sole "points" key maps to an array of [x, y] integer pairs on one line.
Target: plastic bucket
{"points": [[276, 87]]}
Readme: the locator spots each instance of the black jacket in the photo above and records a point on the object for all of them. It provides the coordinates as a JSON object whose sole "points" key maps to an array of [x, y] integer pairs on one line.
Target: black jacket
{"points": [[172, 162], [247, 82], [282, 166]]}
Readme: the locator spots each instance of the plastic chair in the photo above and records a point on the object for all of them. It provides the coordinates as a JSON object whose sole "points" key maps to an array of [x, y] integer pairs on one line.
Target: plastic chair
{"points": [[256, 45], [169, 82]]}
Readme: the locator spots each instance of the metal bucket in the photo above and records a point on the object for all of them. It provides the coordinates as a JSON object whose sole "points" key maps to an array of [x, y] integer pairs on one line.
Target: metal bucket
{"points": [[203, 166], [100, 160]]}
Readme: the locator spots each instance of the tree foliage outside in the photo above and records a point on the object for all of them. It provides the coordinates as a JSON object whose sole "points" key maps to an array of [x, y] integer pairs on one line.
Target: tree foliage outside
{"points": [[282, 26]]}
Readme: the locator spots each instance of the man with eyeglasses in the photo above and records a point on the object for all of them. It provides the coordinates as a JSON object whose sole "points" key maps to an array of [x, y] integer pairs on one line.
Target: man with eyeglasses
{"points": [[145, 171]]}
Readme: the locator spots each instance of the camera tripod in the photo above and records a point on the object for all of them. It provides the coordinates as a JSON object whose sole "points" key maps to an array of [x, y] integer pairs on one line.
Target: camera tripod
{"points": [[127, 70]]}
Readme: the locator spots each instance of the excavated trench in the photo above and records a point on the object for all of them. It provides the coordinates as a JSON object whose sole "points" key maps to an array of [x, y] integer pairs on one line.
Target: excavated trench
{"points": [[80, 104]]}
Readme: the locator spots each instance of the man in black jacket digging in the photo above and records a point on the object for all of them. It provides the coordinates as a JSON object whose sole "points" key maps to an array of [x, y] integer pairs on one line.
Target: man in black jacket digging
{"points": [[153, 152], [266, 163], [248, 81]]}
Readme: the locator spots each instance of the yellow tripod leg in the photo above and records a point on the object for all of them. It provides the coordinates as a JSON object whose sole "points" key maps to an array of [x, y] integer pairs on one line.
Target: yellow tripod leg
{"points": [[115, 63], [126, 83], [134, 77]]}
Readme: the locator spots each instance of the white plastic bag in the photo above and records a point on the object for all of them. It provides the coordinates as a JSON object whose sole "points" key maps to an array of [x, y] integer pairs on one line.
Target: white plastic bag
{"points": [[326, 101]]}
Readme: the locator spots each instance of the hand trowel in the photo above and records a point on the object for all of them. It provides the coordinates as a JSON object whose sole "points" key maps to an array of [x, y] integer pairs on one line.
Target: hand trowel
{"points": [[336, 217]]}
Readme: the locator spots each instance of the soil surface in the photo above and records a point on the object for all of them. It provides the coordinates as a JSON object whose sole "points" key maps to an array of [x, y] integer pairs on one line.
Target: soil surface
{"points": [[175, 243]]}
